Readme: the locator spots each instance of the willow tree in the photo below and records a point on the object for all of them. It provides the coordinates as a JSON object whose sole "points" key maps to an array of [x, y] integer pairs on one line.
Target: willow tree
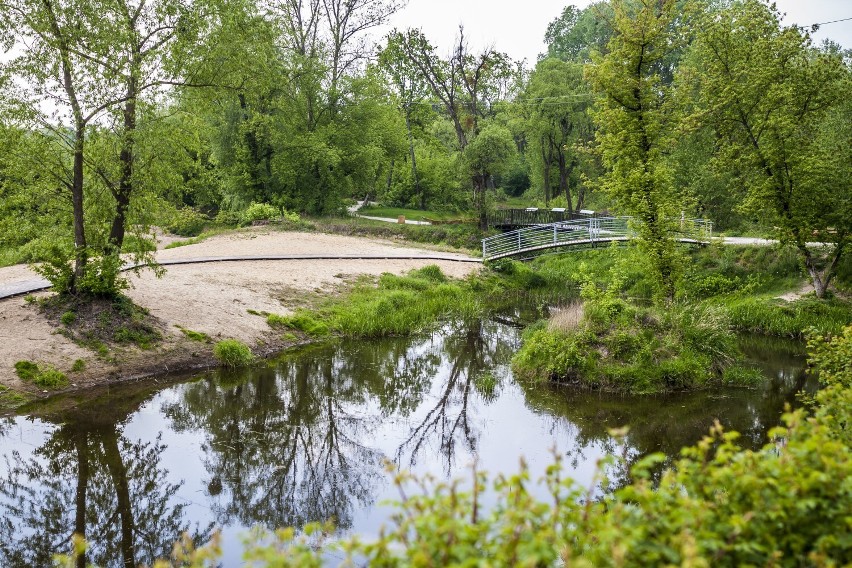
{"points": [[781, 109], [634, 121]]}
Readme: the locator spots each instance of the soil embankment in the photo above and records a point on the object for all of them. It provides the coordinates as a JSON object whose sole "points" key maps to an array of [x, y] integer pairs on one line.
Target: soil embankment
{"points": [[210, 298]]}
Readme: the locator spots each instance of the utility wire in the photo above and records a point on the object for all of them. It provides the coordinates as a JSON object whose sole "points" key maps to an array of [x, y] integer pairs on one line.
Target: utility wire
{"points": [[832, 22]]}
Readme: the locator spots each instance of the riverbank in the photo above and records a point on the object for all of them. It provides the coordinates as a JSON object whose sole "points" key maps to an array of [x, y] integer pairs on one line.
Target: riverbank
{"points": [[212, 299]]}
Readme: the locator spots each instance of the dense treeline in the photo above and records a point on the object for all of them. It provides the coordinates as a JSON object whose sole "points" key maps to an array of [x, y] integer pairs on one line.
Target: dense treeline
{"points": [[119, 115]]}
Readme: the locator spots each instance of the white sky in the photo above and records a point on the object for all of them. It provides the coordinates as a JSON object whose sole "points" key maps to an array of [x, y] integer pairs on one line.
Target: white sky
{"points": [[518, 27]]}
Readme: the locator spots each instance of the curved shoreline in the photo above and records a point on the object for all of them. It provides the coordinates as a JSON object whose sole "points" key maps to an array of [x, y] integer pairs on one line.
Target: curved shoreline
{"points": [[214, 287]]}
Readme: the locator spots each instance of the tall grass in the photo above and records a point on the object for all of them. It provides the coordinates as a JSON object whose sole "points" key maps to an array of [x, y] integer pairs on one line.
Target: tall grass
{"points": [[400, 305]]}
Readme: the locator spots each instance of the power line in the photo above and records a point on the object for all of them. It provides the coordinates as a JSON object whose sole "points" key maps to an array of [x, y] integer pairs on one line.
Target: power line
{"points": [[832, 22]]}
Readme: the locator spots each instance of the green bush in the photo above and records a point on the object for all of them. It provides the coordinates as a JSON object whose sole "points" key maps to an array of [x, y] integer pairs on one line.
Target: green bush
{"points": [[78, 366], [187, 222], [233, 353], [228, 218], [68, 318], [259, 212]]}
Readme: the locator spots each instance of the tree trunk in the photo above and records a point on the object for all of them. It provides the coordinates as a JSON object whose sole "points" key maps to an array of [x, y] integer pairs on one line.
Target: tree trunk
{"points": [[546, 162], [417, 189], [81, 444], [479, 187], [81, 254], [118, 473], [820, 280], [125, 182], [564, 175], [390, 176]]}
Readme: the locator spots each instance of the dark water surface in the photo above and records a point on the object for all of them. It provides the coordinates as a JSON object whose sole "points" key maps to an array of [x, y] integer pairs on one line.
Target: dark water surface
{"points": [[304, 439]]}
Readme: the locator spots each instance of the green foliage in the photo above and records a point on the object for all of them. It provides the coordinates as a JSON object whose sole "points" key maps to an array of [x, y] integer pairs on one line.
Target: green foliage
{"points": [[187, 222], [233, 353], [79, 366], [68, 318], [46, 377], [195, 335], [259, 212], [302, 321], [771, 316]]}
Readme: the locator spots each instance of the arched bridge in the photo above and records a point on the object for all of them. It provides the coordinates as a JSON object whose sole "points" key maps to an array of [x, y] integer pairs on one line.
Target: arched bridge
{"points": [[583, 232]]}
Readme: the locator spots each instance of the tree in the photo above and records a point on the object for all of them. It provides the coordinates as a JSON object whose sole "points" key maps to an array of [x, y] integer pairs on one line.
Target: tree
{"points": [[411, 89], [468, 86], [559, 126], [634, 119], [87, 68], [485, 156], [781, 108], [576, 34]]}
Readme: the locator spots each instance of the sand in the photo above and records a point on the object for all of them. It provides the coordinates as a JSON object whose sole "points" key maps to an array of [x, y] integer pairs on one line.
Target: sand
{"points": [[213, 298]]}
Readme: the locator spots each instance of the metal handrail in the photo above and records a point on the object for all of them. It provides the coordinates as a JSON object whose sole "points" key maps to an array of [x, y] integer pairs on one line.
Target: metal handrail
{"points": [[581, 232]]}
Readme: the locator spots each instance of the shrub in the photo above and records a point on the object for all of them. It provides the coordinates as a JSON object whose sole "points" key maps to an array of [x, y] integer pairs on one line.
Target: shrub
{"points": [[68, 318], [259, 212], [187, 222], [233, 353], [78, 366]]}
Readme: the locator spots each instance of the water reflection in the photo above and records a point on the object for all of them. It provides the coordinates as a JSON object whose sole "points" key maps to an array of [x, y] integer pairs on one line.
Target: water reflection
{"points": [[303, 439], [90, 479]]}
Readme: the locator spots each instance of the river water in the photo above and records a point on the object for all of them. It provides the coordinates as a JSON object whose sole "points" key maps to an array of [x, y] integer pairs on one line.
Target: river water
{"points": [[306, 436]]}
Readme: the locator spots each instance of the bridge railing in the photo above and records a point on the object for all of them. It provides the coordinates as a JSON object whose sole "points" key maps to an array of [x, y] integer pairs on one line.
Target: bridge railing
{"points": [[581, 232]]}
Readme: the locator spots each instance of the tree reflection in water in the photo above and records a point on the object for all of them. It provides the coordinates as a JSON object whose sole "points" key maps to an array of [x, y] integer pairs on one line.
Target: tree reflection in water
{"points": [[295, 442], [303, 439], [476, 348], [89, 479]]}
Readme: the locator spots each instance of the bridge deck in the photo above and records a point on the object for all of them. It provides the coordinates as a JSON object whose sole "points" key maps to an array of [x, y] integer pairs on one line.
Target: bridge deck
{"points": [[582, 232]]}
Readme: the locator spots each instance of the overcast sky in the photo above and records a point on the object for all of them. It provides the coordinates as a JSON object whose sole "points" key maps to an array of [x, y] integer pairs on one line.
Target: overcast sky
{"points": [[517, 27]]}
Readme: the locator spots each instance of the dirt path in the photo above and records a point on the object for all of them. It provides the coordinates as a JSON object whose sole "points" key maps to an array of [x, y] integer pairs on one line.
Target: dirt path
{"points": [[213, 298]]}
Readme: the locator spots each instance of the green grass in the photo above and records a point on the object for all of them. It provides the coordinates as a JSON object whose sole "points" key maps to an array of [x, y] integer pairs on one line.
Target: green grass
{"points": [[78, 366], [195, 335], [392, 306], [302, 321], [233, 353], [46, 377], [772, 316], [620, 347], [400, 305]]}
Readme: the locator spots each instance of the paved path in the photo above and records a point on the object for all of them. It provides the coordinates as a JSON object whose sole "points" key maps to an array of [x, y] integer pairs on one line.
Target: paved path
{"points": [[21, 287], [353, 210]]}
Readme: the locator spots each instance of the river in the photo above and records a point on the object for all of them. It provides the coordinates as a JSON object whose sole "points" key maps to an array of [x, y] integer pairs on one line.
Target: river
{"points": [[306, 436]]}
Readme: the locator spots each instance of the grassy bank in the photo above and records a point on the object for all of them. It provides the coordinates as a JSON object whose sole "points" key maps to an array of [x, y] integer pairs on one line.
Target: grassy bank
{"points": [[393, 305], [608, 344]]}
